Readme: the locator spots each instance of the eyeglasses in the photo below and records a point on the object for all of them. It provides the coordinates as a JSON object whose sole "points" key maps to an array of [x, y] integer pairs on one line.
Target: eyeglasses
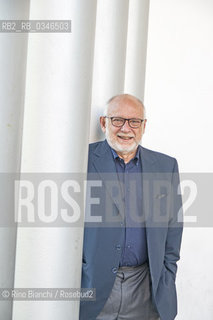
{"points": [[119, 122]]}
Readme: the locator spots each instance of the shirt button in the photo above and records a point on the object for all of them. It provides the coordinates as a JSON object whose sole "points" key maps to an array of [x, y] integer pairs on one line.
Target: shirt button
{"points": [[128, 247], [114, 270], [118, 247]]}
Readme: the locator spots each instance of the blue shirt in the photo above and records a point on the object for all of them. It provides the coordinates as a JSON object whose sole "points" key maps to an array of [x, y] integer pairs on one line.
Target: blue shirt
{"points": [[134, 249]]}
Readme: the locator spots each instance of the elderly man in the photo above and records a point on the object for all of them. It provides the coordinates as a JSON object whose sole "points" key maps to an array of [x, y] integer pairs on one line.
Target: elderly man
{"points": [[130, 254]]}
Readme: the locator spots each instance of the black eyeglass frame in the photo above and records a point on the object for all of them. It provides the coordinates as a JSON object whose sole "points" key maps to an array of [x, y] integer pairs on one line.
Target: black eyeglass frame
{"points": [[124, 121]]}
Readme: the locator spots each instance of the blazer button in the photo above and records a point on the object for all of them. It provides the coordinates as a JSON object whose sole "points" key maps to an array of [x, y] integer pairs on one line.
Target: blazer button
{"points": [[114, 270], [118, 247]]}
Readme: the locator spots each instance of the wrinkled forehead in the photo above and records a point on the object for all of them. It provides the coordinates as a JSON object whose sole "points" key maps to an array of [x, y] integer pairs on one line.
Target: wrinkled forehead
{"points": [[125, 105]]}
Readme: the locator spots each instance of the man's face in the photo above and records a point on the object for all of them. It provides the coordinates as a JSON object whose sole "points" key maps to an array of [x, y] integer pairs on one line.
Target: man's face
{"points": [[123, 139]]}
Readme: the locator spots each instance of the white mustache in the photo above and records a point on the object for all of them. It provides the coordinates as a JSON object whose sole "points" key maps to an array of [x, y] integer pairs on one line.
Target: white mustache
{"points": [[124, 136]]}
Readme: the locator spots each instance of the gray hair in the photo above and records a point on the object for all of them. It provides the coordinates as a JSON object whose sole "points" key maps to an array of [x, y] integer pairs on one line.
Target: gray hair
{"points": [[122, 96]]}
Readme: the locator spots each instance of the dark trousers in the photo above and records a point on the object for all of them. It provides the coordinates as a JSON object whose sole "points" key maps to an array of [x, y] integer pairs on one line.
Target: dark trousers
{"points": [[130, 298]]}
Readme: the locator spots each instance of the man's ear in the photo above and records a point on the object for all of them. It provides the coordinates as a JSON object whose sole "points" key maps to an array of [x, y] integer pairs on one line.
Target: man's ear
{"points": [[103, 123]]}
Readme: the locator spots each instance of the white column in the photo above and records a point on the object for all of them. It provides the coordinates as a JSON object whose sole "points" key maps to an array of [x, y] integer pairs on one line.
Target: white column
{"points": [[13, 49], [109, 57], [136, 47], [55, 139]]}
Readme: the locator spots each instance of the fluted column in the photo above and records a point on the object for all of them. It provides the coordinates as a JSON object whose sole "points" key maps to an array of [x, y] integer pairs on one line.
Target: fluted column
{"points": [[109, 57], [12, 78], [55, 139], [136, 48]]}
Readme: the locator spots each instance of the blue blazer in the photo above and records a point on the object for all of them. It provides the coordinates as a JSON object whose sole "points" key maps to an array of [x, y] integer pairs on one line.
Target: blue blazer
{"points": [[102, 241]]}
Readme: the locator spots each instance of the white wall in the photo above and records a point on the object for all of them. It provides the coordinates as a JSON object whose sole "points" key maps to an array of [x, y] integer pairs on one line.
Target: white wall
{"points": [[179, 100]]}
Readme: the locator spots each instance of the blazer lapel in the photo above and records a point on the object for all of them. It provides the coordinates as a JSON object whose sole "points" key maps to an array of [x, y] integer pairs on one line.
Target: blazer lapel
{"points": [[148, 170], [105, 166]]}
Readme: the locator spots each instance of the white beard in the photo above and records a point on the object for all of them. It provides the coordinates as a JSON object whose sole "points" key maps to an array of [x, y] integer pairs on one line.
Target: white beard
{"points": [[119, 147]]}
